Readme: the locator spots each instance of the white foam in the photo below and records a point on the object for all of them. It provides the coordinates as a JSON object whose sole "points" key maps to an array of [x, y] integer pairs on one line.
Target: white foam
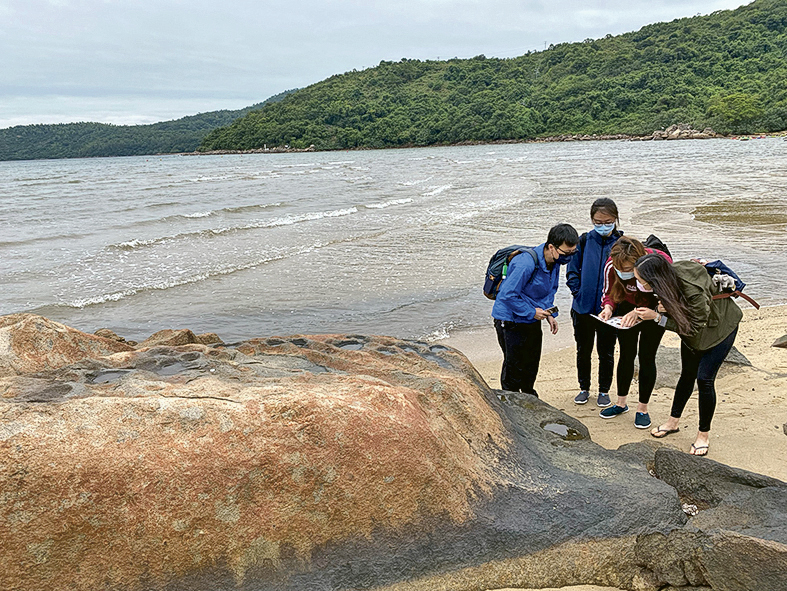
{"points": [[388, 203], [437, 191], [170, 283], [415, 182], [198, 214], [271, 223]]}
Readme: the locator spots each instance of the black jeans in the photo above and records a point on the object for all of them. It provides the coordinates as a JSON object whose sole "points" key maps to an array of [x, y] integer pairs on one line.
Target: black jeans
{"points": [[642, 340], [521, 345], [586, 331], [700, 367]]}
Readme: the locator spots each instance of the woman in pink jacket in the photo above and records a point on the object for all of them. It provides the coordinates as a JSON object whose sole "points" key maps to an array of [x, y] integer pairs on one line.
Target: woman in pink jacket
{"points": [[621, 297]]}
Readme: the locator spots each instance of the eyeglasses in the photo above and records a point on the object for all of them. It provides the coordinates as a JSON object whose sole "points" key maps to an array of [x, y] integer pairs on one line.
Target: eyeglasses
{"points": [[568, 254]]}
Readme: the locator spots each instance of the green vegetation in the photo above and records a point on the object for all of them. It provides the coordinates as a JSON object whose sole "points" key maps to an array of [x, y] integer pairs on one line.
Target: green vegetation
{"points": [[80, 140], [726, 70]]}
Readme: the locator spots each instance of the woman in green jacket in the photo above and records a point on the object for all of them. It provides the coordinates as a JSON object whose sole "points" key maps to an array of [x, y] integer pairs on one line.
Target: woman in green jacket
{"points": [[707, 330]]}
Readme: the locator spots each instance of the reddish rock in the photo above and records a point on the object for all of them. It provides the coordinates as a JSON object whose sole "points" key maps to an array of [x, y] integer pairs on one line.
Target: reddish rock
{"points": [[311, 462], [170, 338], [209, 338], [108, 334], [30, 343]]}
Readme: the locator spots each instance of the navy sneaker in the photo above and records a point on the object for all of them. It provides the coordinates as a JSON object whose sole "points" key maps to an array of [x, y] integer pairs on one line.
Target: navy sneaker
{"points": [[642, 420], [582, 397], [612, 411], [603, 399]]}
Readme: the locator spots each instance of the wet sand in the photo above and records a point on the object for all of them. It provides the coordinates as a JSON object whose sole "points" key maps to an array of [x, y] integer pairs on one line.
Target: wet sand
{"points": [[748, 427]]}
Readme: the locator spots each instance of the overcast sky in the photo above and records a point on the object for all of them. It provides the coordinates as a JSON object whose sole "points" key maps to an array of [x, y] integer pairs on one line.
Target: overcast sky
{"points": [[141, 61]]}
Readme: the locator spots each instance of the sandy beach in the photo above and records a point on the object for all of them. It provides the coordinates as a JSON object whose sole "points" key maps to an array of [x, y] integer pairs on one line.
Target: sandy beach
{"points": [[748, 427]]}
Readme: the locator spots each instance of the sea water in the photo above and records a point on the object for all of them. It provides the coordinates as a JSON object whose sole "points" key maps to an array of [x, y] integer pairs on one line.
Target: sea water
{"points": [[379, 242]]}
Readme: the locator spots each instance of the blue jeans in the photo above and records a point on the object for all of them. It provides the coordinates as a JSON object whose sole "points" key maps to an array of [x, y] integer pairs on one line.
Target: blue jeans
{"points": [[700, 367]]}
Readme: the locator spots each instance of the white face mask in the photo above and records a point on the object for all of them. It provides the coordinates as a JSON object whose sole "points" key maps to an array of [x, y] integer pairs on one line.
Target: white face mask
{"points": [[642, 288]]}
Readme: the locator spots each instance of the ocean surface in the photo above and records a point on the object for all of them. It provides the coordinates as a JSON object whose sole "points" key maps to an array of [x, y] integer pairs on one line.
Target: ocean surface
{"points": [[379, 242]]}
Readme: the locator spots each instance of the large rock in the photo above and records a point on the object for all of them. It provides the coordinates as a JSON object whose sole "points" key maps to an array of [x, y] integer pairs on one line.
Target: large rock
{"points": [[669, 365], [705, 482], [328, 462], [30, 343]]}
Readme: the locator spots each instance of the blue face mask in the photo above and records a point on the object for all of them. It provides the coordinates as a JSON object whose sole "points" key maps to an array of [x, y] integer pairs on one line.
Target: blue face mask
{"points": [[604, 229], [625, 275]]}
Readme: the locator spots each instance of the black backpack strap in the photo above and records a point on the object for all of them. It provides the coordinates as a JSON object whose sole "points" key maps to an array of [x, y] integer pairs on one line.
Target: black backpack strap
{"points": [[583, 240], [532, 252]]}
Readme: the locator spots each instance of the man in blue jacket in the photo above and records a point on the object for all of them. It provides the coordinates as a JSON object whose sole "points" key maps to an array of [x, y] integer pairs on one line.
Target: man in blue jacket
{"points": [[524, 300]]}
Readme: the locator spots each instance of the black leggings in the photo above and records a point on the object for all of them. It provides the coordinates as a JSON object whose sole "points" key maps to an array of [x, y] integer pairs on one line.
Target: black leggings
{"points": [[643, 341], [700, 367]]}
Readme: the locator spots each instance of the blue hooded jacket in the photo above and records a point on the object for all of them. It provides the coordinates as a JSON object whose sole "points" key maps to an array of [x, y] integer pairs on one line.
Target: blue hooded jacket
{"points": [[519, 295], [585, 273]]}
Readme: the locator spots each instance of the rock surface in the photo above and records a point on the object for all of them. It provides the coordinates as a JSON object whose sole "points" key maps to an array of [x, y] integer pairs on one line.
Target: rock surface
{"points": [[781, 342], [683, 131], [335, 462], [30, 343], [669, 364]]}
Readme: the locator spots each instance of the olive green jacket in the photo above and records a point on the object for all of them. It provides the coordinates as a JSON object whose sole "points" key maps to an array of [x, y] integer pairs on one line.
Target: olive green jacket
{"points": [[712, 321]]}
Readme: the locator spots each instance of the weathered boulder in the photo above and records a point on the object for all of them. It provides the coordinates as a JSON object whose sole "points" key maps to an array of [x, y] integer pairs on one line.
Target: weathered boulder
{"points": [[30, 343], [780, 342], [209, 338], [170, 337], [329, 462], [683, 131], [109, 334], [669, 365], [705, 482]]}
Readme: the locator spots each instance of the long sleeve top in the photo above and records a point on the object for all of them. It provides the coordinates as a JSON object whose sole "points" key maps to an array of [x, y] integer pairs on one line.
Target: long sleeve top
{"points": [[520, 295], [639, 299], [585, 272]]}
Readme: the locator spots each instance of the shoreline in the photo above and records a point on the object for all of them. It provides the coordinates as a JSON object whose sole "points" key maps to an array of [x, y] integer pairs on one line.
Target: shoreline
{"points": [[658, 135], [750, 424]]}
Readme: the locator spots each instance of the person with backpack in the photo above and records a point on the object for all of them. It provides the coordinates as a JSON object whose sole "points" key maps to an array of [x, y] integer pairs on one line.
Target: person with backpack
{"points": [[525, 298], [622, 298], [585, 280], [707, 329]]}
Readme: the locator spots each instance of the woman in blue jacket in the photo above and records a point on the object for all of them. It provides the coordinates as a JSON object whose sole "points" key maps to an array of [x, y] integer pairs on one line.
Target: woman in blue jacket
{"points": [[585, 279]]}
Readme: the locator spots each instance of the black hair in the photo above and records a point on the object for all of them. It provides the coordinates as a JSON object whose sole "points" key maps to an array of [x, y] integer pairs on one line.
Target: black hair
{"points": [[605, 205], [562, 234], [659, 274]]}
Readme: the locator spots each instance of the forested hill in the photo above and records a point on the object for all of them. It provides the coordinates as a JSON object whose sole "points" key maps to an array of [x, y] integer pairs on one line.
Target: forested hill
{"points": [[78, 140], [727, 70]]}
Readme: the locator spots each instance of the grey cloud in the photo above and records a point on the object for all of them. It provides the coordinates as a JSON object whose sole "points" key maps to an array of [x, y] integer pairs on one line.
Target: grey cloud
{"points": [[144, 54]]}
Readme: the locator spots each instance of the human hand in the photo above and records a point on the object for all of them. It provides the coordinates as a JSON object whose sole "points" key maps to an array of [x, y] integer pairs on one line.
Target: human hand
{"points": [[646, 313], [661, 309], [629, 319], [552, 324], [606, 313], [541, 314]]}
